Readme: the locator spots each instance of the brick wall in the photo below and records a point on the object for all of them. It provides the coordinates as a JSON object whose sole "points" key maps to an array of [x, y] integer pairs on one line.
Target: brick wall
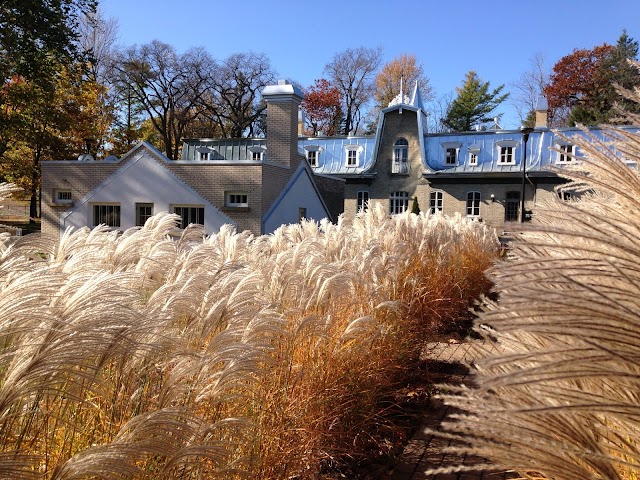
{"points": [[79, 177], [396, 125], [282, 132], [333, 194]]}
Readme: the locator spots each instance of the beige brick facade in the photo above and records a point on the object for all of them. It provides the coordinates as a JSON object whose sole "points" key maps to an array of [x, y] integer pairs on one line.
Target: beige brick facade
{"points": [[382, 182], [396, 125], [262, 182], [79, 177]]}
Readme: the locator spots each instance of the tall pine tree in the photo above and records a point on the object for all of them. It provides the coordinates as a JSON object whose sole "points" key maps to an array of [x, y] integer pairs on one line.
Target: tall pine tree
{"points": [[473, 104]]}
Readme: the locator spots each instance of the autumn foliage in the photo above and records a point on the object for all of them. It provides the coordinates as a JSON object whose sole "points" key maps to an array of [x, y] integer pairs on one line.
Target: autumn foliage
{"points": [[575, 77], [323, 108]]}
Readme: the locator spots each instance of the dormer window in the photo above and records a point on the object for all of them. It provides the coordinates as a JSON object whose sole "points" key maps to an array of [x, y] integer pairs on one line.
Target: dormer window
{"points": [[566, 153], [506, 155], [352, 158], [312, 157], [257, 153], [507, 152], [451, 156], [203, 153], [352, 153], [451, 150], [400, 164], [474, 153], [312, 152]]}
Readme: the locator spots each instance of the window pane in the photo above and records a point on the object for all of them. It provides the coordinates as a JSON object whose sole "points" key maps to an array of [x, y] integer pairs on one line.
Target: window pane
{"points": [[143, 212], [106, 214]]}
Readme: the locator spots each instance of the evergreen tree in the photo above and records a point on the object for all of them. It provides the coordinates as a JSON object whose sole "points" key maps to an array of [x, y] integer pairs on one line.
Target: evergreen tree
{"points": [[415, 207], [473, 104], [583, 83]]}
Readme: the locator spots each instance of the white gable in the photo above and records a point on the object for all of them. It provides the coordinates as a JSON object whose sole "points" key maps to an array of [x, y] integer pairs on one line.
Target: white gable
{"points": [[142, 180], [299, 193]]}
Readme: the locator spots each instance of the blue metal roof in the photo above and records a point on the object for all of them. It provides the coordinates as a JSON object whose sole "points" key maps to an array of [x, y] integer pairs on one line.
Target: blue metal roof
{"points": [[332, 157], [231, 149], [487, 145]]}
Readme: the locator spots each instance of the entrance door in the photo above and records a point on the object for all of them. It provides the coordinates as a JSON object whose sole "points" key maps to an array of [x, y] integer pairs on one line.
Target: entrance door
{"points": [[512, 207]]}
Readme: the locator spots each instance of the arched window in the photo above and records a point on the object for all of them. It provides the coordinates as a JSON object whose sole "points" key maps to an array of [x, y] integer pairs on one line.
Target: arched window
{"points": [[400, 157]]}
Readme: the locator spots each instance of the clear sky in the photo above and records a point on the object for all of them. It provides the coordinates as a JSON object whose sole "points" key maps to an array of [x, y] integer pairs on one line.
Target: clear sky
{"points": [[496, 38]]}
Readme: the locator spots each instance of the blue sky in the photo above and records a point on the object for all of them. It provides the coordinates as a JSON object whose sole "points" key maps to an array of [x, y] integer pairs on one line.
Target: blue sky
{"points": [[495, 38]]}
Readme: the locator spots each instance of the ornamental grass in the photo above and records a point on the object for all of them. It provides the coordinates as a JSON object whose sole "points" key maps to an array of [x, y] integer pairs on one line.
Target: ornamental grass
{"points": [[562, 399], [141, 355]]}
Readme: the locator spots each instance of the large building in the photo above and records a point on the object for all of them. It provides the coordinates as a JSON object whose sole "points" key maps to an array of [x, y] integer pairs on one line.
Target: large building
{"points": [[243, 182], [259, 184]]}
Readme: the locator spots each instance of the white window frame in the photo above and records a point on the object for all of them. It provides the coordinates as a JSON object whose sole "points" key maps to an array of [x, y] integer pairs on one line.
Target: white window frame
{"points": [[400, 163], [362, 200], [566, 153], [473, 154], [139, 206], [312, 158], [189, 206], [259, 151], [474, 199], [398, 202], [315, 150], [352, 151], [436, 201], [66, 192], [503, 154], [102, 216], [236, 199], [203, 154], [447, 148]]}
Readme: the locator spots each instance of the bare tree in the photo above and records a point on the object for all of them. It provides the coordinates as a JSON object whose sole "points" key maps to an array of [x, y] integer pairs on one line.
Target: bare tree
{"points": [[437, 111], [352, 72], [232, 99], [97, 36], [530, 86], [168, 86]]}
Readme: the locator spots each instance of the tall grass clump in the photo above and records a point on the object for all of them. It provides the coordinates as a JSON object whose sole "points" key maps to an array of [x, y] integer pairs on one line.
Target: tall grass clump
{"points": [[562, 399], [139, 355]]}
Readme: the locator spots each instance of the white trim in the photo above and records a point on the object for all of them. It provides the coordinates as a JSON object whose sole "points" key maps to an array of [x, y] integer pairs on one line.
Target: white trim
{"points": [[257, 149], [62, 201], [446, 147], [397, 200], [236, 202], [316, 149], [473, 205], [507, 144], [473, 154], [92, 206], [438, 201], [358, 151], [567, 154], [362, 204]]}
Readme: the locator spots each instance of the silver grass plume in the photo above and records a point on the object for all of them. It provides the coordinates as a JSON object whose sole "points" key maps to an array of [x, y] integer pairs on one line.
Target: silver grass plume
{"points": [[561, 398]]}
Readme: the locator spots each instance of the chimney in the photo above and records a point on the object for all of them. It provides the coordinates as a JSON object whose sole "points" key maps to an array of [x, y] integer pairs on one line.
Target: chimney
{"points": [[542, 107], [283, 101]]}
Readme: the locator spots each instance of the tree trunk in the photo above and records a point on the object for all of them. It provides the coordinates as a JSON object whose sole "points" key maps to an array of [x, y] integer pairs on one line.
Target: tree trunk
{"points": [[33, 203]]}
